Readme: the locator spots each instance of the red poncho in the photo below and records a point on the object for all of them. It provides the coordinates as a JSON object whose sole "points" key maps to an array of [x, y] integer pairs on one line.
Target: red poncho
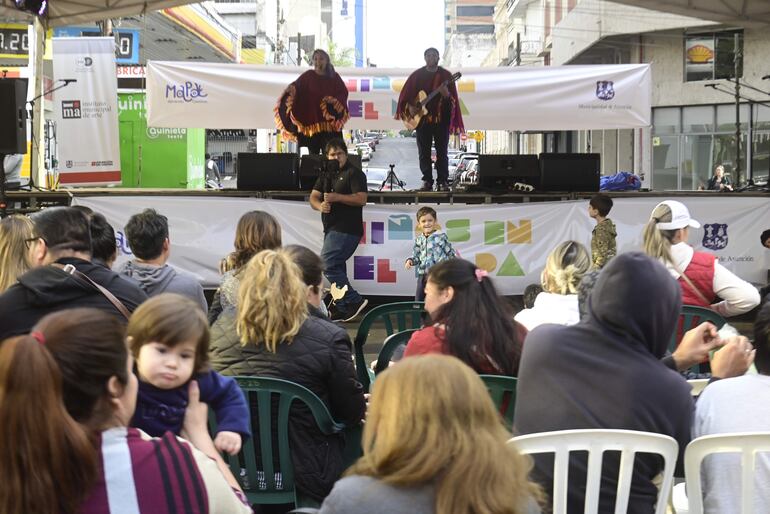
{"points": [[311, 104], [424, 80]]}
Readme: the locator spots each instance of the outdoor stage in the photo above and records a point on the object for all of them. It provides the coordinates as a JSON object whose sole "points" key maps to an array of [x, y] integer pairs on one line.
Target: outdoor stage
{"points": [[509, 235]]}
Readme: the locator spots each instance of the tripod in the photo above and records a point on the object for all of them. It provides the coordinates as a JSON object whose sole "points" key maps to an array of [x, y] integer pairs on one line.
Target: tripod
{"points": [[391, 179], [66, 82]]}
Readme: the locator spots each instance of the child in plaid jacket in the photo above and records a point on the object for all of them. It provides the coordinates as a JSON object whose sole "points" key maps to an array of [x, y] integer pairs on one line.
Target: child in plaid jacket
{"points": [[431, 246]]}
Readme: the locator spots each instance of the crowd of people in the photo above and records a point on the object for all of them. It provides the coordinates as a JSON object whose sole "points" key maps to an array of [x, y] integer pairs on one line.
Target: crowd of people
{"points": [[124, 365]]}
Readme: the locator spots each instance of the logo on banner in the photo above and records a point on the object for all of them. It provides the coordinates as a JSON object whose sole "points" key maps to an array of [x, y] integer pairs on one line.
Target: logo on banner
{"points": [[68, 164], [71, 109], [84, 63], [166, 133], [185, 92], [715, 236], [605, 90]]}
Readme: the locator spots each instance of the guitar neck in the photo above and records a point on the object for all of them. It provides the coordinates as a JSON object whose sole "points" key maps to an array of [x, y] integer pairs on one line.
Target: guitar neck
{"points": [[430, 97]]}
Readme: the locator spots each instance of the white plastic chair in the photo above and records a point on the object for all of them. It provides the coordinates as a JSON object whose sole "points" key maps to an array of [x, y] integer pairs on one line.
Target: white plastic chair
{"points": [[596, 442], [748, 444]]}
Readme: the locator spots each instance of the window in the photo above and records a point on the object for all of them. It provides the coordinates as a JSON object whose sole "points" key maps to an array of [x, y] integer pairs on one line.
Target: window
{"points": [[475, 29], [476, 10], [712, 56]]}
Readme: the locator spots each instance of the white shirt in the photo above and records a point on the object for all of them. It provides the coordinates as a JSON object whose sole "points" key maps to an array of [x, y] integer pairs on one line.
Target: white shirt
{"points": [[738, 295], [740, 404], [560, 309]]}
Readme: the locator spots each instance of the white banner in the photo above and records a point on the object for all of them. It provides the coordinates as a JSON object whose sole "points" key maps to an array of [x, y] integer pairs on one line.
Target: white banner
{"points": [[224, 96], [511, 241], [86, 111]]}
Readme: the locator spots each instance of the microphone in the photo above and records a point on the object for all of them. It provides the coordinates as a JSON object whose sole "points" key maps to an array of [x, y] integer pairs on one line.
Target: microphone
{"points": [[68, 81]]}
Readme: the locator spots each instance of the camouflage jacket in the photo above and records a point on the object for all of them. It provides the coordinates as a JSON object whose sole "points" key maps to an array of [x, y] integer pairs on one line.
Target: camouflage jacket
{"points": [[603, 247]]}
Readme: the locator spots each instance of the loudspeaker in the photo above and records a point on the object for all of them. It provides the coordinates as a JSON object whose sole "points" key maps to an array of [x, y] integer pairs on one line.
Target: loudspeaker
{"points": [[309, 170], [13, 116], [267, 171], [569, 171], [503, 171]]}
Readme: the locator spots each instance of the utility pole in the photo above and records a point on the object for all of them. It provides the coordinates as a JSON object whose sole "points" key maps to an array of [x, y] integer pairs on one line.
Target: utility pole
{"points": [[278, 44], [299, 49], [738, 65], [518, 49]]}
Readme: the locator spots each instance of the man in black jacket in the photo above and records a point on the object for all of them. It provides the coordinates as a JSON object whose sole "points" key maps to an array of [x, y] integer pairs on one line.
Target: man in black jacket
{"points": [[62, 238]]}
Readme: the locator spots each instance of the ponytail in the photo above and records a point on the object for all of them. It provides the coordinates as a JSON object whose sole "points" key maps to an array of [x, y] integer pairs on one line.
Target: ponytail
{"points": [[47, 461], [565, 267]]}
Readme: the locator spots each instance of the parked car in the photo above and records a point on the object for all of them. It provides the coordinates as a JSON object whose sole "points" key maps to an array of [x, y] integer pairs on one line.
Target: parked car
{"points": [[462, 166], [364, 150], [375, 178], [371, 142]]}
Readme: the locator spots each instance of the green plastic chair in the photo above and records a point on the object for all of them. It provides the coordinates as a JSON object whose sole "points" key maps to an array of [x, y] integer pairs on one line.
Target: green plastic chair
{"points": [[502, 389], [690, 317], [389, 346], [267, 484], [395, 317]]}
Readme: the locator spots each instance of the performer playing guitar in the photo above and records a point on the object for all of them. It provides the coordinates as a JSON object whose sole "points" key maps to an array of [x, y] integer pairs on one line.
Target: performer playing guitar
{"points": [[435, 118]]}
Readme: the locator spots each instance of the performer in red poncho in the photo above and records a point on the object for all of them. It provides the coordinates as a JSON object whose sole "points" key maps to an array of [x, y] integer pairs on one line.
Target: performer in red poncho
{"points": [[444, 117], [314, 108]]}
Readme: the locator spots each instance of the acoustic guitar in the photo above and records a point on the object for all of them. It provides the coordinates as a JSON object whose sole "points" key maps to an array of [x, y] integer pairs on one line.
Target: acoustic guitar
{"points": [[418, 105]]}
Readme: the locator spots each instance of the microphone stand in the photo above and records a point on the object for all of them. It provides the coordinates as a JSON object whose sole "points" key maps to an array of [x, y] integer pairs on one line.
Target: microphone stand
{"points": [[31, 112]]}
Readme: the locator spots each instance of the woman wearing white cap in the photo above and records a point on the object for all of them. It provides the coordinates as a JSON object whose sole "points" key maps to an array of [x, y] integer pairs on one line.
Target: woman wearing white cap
{"points": [[699, 274]]}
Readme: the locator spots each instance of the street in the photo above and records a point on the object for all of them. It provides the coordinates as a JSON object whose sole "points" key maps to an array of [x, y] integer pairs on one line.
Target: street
{"points": [[403, 153]]}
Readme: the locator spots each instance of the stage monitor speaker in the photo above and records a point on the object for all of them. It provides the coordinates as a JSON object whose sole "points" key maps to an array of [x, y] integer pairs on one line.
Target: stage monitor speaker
{"points": [[13, 116], [504, 171], [569, 171], [309, 170], [267, 171]]}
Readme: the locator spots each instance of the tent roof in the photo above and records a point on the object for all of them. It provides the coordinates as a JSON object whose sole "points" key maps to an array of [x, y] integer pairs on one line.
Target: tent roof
{"points": [[744, 13], [72, 12]]}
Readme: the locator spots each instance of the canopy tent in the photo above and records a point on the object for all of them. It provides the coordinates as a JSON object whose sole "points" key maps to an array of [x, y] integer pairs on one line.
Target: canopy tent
{"points": [[744, 13], [72, 12]]}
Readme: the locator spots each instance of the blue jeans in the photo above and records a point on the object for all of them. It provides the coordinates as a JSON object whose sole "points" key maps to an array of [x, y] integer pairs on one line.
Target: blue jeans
{"points": [[337, 249]]}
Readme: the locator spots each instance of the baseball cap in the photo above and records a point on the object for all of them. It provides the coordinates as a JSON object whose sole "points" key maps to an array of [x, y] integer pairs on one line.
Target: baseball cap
{"points": [[680, 216]]}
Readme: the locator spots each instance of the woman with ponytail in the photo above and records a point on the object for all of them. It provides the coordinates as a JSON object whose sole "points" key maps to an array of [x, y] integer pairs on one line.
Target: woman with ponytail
{"points": [[67, 393], [469, 320], [558, 303], [702, 279]]}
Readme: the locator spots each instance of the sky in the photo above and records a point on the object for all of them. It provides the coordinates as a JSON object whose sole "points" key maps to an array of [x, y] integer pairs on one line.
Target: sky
{"points": [[400, 30]]}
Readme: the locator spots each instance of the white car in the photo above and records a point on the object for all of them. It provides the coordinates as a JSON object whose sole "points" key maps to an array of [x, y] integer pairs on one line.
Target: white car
{"points": [[364, 150]]}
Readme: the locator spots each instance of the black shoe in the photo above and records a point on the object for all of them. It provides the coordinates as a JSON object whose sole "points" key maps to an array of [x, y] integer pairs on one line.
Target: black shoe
{"points": [[442, 187], [426, 186], [351, 311], [336, 314]]}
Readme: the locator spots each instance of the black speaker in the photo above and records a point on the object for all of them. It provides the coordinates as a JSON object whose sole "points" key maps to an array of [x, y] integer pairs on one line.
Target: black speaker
{"points": [[309, 170], [13, 116], [267, 171], [503, 171], [569, 171]]}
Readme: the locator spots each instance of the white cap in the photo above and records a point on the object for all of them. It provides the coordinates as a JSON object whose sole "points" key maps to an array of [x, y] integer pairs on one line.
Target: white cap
{"points": [[680, 216]]}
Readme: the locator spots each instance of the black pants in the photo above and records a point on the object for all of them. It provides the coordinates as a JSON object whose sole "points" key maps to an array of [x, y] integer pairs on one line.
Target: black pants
{"points": [[419, 294], [427, 133], [316, 143]]}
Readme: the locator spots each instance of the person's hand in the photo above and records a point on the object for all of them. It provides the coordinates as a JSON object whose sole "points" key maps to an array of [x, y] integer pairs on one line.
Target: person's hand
{"points": [[408, 264], [733, 359], [331, 197], [443, 90], [728, 187], [413, 110], [326, 207], [229, 442], [196, 414], [696, 345]]}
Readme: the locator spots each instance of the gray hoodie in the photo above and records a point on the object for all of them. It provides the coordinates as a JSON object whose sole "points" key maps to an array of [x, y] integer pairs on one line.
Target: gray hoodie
{"points": [[155, 280]]}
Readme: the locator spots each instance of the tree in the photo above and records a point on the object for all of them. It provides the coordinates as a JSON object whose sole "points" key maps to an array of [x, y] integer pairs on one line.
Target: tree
{"points": [[341, 56]]}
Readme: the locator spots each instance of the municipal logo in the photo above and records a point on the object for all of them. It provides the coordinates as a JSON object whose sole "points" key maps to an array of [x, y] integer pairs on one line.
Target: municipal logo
{"points": [[715, 236], [70, 109], [605, 90], [185, 92], [84, 62]]}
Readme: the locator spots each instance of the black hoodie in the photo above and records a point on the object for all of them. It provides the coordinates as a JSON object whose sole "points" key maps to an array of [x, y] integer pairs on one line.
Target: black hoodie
{"points": [[605, 372], [48, 289]]}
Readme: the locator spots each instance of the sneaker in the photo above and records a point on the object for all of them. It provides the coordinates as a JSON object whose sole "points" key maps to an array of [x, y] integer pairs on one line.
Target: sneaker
{"points": [[426, 186], [443, 187], [351, 312], [336, 314]]}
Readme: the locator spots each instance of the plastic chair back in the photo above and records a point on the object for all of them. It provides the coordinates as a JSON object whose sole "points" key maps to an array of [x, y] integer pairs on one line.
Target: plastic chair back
{"points": [[596, 442], [395, 317], [690, 317], [502, 389], [389, 346], [748, 444], [264, 483]]}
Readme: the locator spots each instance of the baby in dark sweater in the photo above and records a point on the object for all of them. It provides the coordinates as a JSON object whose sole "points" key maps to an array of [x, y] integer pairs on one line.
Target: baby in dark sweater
{"points": [[169, 338]]}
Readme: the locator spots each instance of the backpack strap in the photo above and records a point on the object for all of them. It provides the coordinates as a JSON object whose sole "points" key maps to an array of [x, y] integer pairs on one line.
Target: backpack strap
{"points": [[71, 270]]}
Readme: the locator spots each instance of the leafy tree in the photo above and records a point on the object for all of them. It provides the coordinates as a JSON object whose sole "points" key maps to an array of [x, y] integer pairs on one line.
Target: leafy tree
{"points": [[340, 56]]}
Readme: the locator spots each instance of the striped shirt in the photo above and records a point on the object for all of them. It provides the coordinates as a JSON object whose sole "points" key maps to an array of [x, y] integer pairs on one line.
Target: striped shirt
{"points": [[166, 475]]}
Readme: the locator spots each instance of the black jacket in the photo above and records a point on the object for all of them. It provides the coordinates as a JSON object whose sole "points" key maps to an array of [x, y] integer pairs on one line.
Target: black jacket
{"points": [[318, 358], [48, 289]]}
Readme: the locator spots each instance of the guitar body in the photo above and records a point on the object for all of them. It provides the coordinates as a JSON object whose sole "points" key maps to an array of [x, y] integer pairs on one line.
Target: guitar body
{"points": [[418, 105]]}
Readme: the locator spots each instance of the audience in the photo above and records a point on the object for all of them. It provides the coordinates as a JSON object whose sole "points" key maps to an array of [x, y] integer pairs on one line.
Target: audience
{"points": [[148, 237], [740, 404], [272, 334], [469, 320], [605, 372], [16, 242], [66, 395], [699, 274], [256, 231], [433, 443], [63, 275], [104, 251], [312, 267], [558, 303], [169, 340]]}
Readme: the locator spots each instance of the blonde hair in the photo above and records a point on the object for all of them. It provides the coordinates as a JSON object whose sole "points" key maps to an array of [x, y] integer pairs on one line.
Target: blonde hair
{"points": [[14, 254], [256, 231], [657, 243], [564, 267], [456, 439], [272, 301]]}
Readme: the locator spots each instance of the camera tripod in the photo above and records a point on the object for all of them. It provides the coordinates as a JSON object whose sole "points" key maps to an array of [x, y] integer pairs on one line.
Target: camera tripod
{"points": [[391, 179]]}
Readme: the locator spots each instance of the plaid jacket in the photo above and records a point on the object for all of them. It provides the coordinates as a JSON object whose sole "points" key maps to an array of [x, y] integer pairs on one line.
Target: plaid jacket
{"points": [[431, 250]]}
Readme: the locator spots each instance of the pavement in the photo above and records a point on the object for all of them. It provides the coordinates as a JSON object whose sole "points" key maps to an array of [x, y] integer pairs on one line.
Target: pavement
{"points": [[401, 151]]}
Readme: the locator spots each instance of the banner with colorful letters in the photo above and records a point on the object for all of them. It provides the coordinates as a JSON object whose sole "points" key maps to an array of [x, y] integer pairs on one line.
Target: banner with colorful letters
{"points": [[510, 241]]}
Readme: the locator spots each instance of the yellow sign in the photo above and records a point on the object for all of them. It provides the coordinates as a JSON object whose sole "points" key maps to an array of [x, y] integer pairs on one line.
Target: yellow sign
{"points": [[656, 141]]}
